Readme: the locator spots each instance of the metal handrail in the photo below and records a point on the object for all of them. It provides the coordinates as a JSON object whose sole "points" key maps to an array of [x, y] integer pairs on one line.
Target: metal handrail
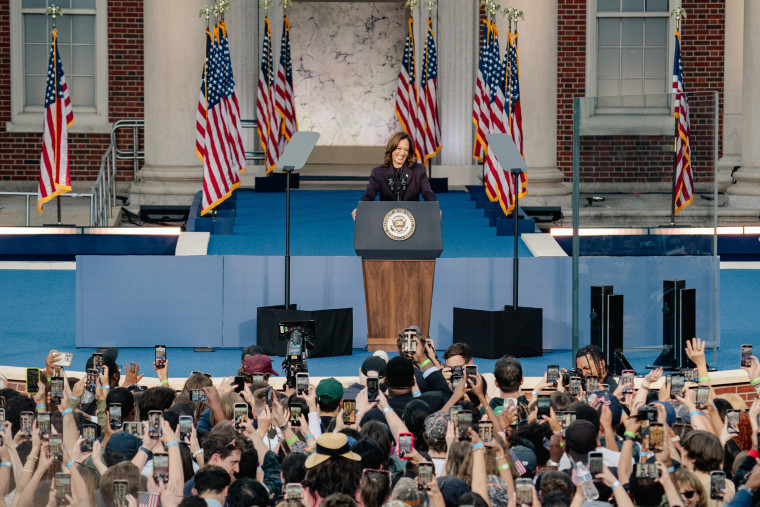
{"points": [[67, 194]]}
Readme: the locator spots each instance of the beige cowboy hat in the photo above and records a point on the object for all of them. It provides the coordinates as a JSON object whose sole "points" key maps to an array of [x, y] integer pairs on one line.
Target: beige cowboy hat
{"points": [[331, 445]]}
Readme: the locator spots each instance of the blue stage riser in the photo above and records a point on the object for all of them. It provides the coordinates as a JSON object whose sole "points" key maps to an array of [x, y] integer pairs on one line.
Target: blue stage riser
{"points": [[212, 300]]}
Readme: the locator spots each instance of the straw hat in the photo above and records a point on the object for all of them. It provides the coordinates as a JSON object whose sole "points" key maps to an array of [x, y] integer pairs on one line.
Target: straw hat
{"points": [[331, 445]]}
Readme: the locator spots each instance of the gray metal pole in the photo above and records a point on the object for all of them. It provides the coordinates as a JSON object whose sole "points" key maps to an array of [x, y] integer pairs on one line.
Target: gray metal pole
{"points": [[716, 259], [576, 217]]}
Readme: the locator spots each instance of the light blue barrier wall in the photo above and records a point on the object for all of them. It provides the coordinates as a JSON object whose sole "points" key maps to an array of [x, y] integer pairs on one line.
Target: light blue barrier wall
{"points": [[212, 300]]}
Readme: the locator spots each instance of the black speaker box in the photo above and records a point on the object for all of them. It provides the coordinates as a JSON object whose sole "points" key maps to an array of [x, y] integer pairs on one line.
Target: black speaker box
{"points": [[491, 335]]}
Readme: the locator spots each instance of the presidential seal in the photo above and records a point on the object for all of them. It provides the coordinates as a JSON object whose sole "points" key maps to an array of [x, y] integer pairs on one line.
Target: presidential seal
{"points": [[399, 224]]}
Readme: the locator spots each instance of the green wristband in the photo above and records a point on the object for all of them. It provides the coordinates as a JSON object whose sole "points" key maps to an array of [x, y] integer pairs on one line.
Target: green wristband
{"points": [[629, 434], [755, 382], [425, 363], [704, 379], [292, 441]]}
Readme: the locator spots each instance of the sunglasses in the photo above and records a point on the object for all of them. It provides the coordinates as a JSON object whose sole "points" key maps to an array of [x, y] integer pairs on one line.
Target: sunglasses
{"points": [[195, 372], [374, 474], [688, 494]]}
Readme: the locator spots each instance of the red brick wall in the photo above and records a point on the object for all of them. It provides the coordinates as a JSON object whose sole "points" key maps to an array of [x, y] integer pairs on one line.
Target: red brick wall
{"points": [[621, 159], [20, 152]]}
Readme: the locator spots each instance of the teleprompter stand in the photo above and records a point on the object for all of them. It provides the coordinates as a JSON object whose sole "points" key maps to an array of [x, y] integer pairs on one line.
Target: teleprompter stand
{"points": [[334, 328], [516, 330]]}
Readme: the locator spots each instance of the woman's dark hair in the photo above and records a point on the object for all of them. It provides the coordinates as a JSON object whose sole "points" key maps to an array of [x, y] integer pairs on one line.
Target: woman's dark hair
{"points": [[371, 453], [646, 492], [722, 406], [705, 449], [554, 481], [376, 431], [561, 402], [556, 498], [293, 469], [339, 500], [393, 143], [246, 492], [414, 417], [533, 436], [335, 475], [474, 499], [375, 488], [187, 461], [352, 433]]}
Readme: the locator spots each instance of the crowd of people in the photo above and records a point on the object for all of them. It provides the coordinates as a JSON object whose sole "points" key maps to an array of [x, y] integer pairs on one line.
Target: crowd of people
{"points": [[413, 430]]}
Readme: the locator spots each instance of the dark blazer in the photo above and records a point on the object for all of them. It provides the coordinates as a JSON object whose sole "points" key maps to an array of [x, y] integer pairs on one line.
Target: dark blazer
{"points": [[416, 183]]}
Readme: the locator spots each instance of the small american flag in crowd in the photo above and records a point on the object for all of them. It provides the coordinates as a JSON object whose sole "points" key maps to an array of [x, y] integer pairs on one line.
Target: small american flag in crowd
{"points": [[55, 178], [428, 110], [684, 184], [407, 96], [266, 117], [283, 92], [148, 499]]}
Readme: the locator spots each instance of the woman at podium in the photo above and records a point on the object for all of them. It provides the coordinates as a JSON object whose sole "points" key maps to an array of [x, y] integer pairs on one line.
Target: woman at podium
{"points": [[400, 178]]}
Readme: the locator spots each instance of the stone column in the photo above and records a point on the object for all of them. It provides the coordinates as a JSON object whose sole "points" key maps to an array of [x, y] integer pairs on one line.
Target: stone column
{"points": [[537, 50], [732, 93], [174, 53], [746, 192]]}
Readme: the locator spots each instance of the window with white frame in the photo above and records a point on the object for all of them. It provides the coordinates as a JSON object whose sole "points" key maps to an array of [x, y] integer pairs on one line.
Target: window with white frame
{"points": [[629, 62], [83, 48]]}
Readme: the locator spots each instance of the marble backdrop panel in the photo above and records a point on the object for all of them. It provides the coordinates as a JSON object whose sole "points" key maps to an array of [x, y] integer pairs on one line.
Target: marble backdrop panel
{"points": [[346, 60]]}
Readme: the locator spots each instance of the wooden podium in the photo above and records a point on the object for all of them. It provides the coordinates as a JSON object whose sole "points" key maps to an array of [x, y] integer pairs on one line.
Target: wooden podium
{"points": [[398, 243]]}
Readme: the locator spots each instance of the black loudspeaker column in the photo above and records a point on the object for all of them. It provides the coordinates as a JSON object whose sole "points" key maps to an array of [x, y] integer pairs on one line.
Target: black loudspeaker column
{"points": [[678, 324], [607, 326], [518, 333], [598, 317]]}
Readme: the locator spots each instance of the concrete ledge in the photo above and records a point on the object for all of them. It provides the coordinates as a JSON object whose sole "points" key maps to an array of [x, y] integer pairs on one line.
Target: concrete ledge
{"points": [[543, 245], [192, 243]]}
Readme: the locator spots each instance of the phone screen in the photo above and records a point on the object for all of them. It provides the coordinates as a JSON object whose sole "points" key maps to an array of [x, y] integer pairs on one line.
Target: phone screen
{"points": [[373, 386], [595, 463], [136, 428], [404, 445], [27, 418], [43, 424], [62, 486], [97, 361], [160, 356], [524, 488], [185, 427], [2, 419], [295, 413], [349, 411], [114, 415], [544, 403], [733, 422], [575, 386], [485, 430], [656, 436], [32, 380], [464, 422], [293, 491], [56, 390], [92, 379], [302, 382], [56, 446], [89, 433], [592, 383], [161, 467], [425, 473], [239, 384], [258, 377], [626, 380], [120, 491], [154, 423], [552, 373], [746, 356], [198, 395], [676, 385], [703, 392], [717, 484], [471, 370], [241, 415]]}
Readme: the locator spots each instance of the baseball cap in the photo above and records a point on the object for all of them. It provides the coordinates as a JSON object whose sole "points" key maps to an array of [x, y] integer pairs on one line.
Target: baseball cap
{"points": [[121, 446], [330, 390], [374, 363], [436, 425], [259, 364]]}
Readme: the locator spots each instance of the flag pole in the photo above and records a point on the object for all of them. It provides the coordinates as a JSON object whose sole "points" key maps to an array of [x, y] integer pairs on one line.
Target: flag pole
{"points": [[54, 11], [678, 13]]}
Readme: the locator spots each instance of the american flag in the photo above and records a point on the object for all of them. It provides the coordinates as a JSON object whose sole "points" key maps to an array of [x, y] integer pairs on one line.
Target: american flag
{"points": [[231, 104], [498, 182], [515, 111], [481, 112], [428, 112], [283, 91], [54, 159], [407, 96], [684, 189], [148, 499], [219, 149], [268, 125]]}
